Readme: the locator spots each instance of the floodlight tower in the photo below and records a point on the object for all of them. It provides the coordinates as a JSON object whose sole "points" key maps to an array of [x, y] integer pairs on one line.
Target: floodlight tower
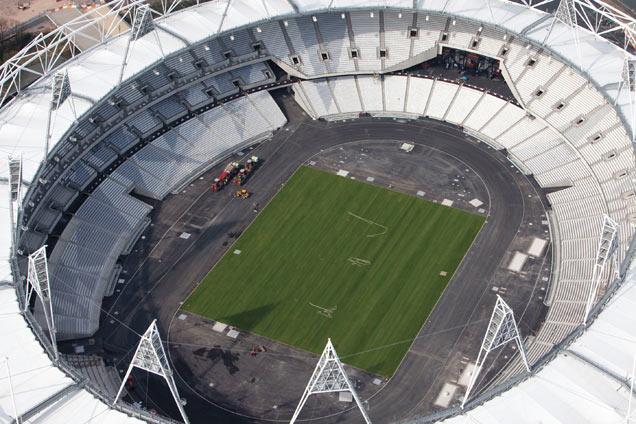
{"points": [[329, 377], [38, 282], [566, 13], [606, 251], [15, 197], [502, 329], [142, 24], [628, 84], [60, 91], [150, 356]]}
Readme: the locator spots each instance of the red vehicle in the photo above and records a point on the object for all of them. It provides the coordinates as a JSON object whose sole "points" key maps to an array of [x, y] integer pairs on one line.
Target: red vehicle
{"points": [[225, 176]]}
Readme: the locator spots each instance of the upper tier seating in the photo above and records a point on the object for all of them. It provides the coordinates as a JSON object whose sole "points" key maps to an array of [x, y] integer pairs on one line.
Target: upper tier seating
{"points": [[83, 264], [174, 157]]}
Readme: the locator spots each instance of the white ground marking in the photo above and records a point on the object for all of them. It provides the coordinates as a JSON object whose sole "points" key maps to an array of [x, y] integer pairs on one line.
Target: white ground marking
{"points": [[368, 221], [325, 312], [359, 261]]}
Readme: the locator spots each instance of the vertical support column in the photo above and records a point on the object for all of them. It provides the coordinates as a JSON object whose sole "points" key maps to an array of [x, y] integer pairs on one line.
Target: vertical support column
{"points": [[566, 13], [17, 418]]}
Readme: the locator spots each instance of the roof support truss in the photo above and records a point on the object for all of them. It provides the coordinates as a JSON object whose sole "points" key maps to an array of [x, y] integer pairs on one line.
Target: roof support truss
{"points": [[151, 357], [38, 282], [606, 251], [502, 329], [329, 377], [15, 196]]}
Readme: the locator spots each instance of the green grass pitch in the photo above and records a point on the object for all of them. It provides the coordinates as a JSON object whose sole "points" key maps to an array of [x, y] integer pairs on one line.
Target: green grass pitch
{"points": [[369, 256]]}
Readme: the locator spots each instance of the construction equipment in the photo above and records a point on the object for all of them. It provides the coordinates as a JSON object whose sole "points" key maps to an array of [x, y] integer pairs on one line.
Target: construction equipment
{"points": [[225, 176], [245, 172], [242, 194]]}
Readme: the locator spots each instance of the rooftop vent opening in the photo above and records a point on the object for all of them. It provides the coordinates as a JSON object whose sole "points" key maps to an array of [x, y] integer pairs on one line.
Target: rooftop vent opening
{"points": [[324, 56], [383, 53], [295, 60], [444, 36], [621, 174], [629, 194], [413, 32], [539, 92], [355, 54], [596, 138]]}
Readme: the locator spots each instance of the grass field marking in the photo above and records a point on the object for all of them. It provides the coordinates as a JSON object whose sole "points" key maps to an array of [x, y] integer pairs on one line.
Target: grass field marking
{"points": [[359, 261], [325, 312], [368, 221]]}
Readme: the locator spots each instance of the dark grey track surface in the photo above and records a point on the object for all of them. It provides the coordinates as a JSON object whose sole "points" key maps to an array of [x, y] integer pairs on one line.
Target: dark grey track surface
{"points": [[163, 269]]}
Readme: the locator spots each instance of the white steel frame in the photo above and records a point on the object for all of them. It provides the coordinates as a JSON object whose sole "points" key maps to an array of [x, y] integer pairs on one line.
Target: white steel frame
{"points": [[16, 417], [628, 415], [38, 281], [151, 357], [60, 92], [15, 196], [46, 52], [606, 251], [502, 329], [142, 24], [628, 84], [329, 377], [566, 13]]}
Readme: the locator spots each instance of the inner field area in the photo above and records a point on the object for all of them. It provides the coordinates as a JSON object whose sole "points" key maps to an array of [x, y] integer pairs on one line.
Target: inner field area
{"points": [[333, 257]]}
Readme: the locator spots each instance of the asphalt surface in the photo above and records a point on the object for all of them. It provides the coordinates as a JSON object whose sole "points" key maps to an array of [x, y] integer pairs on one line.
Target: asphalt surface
{"points": [[164, 268]]}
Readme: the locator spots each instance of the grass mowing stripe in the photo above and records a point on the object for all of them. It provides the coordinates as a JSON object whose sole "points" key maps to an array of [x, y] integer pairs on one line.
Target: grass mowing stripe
{"points": [[370, 255]]}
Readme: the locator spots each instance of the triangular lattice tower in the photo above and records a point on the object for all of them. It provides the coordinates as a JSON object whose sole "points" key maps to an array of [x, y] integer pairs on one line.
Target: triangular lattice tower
{"points": [[60, 92], [61, 89], [38, 281], [329, 377], [628, 84], [502, 329], [606, 251], [143, 23], [566, 13], [150, 356], [15, 183]]}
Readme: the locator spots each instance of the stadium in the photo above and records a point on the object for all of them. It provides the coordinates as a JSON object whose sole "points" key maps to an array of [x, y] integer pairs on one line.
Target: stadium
{"points": [[389, 211]]}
